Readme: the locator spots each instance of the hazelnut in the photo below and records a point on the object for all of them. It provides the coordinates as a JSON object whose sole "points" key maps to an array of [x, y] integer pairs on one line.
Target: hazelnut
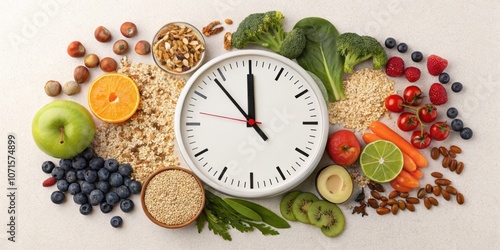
{"points": [[71, 88], [120, 47], [81, 74], [102, 34], [108, 64], [52, 88], [91, 60], [76, 49], [142, 47], [128, 29]]}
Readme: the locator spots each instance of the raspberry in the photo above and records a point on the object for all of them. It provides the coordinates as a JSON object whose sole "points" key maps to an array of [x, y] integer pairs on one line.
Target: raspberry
{"points": [[412, 74], [436, 65], [395, 66], [437, 94]]}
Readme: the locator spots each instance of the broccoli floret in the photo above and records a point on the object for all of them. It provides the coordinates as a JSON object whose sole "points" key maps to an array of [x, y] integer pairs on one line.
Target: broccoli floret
{"points": [[356, 49], [266, 30]]}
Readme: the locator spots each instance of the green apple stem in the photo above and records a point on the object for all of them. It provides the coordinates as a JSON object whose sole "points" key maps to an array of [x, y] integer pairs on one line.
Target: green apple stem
{"points": [[61, 130]]}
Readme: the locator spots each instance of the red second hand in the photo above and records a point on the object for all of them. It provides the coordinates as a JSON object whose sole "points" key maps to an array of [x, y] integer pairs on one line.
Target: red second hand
{"points": [[251, 121]]}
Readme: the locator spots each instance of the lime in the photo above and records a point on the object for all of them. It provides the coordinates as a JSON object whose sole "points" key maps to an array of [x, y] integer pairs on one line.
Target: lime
{"points": [[381, 161]]}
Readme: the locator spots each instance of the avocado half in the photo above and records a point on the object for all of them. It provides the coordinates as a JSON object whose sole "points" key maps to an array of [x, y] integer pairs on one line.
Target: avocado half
{"points": [[334, 184]]}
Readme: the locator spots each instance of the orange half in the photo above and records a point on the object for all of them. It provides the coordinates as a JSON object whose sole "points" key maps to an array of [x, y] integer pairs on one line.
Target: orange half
{"points": [[113, 97]]}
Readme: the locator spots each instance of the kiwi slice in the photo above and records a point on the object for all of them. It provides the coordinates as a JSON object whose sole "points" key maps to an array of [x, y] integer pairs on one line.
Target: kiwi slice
{"points": [[327, 216], [301, 204], [286, 205]]}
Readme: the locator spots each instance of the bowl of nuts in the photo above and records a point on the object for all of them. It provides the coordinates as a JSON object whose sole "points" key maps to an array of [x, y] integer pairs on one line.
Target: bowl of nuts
{"points": [[178, 48], [172, 197]]}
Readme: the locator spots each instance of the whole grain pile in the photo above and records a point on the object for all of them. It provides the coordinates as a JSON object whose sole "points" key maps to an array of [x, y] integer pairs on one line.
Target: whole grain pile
{"points": [[173, 197], [146, 140], [365, 92]]}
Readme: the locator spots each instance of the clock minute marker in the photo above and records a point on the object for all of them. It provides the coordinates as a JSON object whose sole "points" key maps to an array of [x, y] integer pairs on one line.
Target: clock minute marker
{"points": [[301, 93], [251, 180], [193, 124], [281, 173], [302, 152], [222, 173], [279, 74], [200, 94], [201, 152], [309, 123], [221, 75]]}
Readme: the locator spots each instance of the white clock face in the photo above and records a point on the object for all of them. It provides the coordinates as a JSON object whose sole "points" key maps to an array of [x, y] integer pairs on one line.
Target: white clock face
{"points": [[251, 124]]}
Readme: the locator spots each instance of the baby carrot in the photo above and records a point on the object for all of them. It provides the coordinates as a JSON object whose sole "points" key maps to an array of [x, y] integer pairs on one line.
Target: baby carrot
{"points": [[386, 133]]}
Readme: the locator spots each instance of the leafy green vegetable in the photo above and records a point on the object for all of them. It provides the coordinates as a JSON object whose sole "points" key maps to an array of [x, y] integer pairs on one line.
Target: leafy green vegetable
{"points": [[356, 49], [243, 210], [267, 215], [320, 55], [266, 30], [220, 217]]}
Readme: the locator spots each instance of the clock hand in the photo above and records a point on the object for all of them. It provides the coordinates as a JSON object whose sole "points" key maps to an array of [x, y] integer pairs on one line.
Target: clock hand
{"points": [[250, 93], [255, 126], [250, 121]]}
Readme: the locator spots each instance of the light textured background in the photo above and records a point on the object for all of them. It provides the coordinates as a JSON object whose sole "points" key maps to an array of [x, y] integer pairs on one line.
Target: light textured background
{"points": [[34, 39]]}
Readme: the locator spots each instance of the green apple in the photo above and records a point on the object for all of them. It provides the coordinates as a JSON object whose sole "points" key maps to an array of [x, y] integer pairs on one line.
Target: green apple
{"points": [[63, 129]]}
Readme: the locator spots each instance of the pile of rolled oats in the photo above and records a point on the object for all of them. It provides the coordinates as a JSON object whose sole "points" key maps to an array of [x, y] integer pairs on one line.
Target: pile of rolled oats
{"points": [[365, 92], [146, 140], [178, 48]]}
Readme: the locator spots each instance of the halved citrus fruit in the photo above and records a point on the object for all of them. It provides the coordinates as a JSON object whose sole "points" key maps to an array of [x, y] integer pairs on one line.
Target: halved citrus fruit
{"points": [[113, 97], [381, 161]]}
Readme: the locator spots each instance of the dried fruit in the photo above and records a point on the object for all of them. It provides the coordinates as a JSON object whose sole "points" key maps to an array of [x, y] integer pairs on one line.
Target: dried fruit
{"points": [[436, 190], [446, 162], [81, 74], [437, 175], [383, 210], [433, 201], [76, 49], [71, 88], [404, 194], [435, 153], [453, 165], [228, 21], [427, 203], [375, 194], [211, 29], [91, 60], [120, 47], [456, 149], [428, 188], [410, 207], [412, 200], [443, 151], [460, 198], [142, 47], [401, 204], [373, 203], [128, 29], [421, 193], [442, 182], [451, 190], [391, 202], [393, 194], [395, 209], [102, 34], [445, 194], [460, 167], [108, 64], [52, 88], [51, 181]]}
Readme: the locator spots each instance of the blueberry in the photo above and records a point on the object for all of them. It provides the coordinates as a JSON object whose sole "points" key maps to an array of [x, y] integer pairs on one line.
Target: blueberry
{"points": [[96, 197], [57, 173], [65, 164], [47, 167], [88, 153], [126, 205], [417, 56], [87, 187], [390, 43], [402, 47], [78, 162], [104, 186], [80, 198], [111, 165], [466, 133], [116, 179], [57, 197], [112, 198], [123, 191], [80, 174], [444, 78], [103, 174], [96, 163], [106, 208], [134, 187], [85, 209], [127, 181], [74, 188], [116, 221], [71, 176], [457, 125], [62, 185], [452, 113], [90, 176], [125, 170], [457, 87]]}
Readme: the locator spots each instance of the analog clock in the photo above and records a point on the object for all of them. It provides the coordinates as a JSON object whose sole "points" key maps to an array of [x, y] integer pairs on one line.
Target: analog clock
{"points": [[251, 123]]}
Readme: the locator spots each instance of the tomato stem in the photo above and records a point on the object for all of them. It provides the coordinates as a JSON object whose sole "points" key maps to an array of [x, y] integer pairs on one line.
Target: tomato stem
{"points": [[417, 110]]}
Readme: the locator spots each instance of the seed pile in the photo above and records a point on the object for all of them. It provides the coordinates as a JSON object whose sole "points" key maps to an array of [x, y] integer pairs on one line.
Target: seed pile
{"points": [[173, 197], [365, 92], [146, 140], [449, 160]]}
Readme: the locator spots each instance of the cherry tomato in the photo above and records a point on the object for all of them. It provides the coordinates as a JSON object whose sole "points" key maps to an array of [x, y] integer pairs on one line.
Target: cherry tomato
{"points": [[407, 121], [394, 103], [406, 179], [420, 140], [439, 131], [412, 95], [427, 113]]}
